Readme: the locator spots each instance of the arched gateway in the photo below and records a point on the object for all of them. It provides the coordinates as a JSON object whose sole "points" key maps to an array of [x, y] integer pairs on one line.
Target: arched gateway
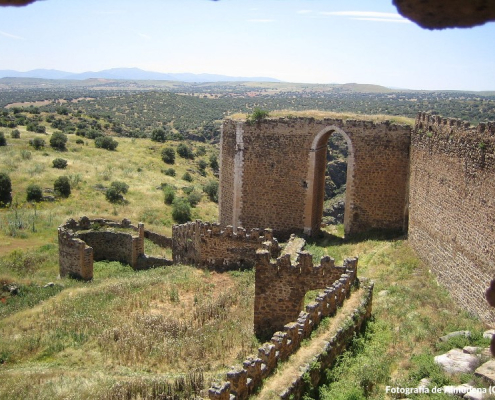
{"points": [[273, 174]]}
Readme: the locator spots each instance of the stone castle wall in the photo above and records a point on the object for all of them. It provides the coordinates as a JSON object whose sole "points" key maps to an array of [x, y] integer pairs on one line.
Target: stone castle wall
{"points": [[280, 287], [208, 245], [272, 174], [452, 206], [243, 381], [81, 242]]}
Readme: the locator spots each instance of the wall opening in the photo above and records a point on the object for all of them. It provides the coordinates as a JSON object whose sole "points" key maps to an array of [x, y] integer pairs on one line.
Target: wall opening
{"points": [[330, 180]]}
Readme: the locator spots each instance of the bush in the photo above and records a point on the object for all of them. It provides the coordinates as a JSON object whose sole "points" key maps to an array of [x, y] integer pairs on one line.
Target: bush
{"points": [[15, 134], [115, 193], [106, 142], [160, 135], [79, 141], [37, 143], [211, 189], [258, 115], [3, 141], [181, 210], [201, 151], [194, 198], [5, 189], [169, 194], [59, 163], [185, 151], [58, 141], [34, 193], [187, 177], [214, 163], [61, 186], [169, 172], [202, 164], [168, 155]]}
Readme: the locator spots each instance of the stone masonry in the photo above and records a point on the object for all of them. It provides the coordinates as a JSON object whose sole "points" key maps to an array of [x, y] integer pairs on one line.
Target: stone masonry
{"points": [[280, 286], [452, 206], [208, 245], [273, 174], [81, 242]]}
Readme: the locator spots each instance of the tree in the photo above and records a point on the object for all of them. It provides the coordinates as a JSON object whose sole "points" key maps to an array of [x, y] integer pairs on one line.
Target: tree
{"points": [[211, 189], [160, 135], [194, 198], [34, 193], [15, 134], [3, 141], [181, 210], [5, 189], [59, 163], [187, 177], [61, 186], [168, 155], [169, 194], [115, 193], [185, 151], [106, 142], [37, 143], [58, 141], [214, 163]]}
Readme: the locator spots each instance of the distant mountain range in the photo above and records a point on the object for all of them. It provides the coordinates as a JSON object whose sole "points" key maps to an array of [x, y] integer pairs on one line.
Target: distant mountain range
{"points": [[129, 74]]}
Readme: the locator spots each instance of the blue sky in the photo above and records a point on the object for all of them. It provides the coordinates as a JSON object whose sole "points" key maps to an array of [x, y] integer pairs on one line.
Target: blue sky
{"points": [[314, 41]]}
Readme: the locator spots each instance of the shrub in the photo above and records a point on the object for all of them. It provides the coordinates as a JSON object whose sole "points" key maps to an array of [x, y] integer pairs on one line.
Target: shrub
{"points": [[194, 198], [15, 134], [3, 141], [106, 142], [91, 134], [181, 210], [34, 193], [258, 115], [61, 186], [26, 154], [211, 189], [37, 143], [115, 193], [59, 163], [185, 151], [201, 151], [214, 162], [79, 141], [202, 164], [5, 189], [58, 141], [160, 135], [187, 177], [168, 155], [169, 172], [169, 194]]}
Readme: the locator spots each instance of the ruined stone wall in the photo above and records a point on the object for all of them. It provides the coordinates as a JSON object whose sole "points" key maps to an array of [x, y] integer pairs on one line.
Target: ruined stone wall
{"points": [[208, 245], [452, 206], [273, 174], [280, 286], [81, 242], [243, 381]]}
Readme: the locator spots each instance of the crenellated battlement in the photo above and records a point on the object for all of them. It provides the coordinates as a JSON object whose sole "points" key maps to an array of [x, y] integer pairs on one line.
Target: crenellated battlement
{"points": [[221, 248], [281, 284], [81, 242], [243, 381], [425, 122]]}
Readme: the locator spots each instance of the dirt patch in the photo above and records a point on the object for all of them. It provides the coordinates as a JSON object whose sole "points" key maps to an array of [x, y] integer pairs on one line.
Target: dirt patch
{"points": [[8, 245], [291, 369]]}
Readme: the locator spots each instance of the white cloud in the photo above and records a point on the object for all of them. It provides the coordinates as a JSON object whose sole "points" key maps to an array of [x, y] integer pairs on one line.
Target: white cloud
{"points": [[368, 16], [9, 35], [304, 11], [261, 20]]}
